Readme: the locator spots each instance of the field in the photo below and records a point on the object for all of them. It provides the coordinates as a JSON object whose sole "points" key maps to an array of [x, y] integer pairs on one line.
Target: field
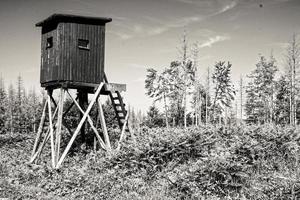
{"points": [[198, 163]]}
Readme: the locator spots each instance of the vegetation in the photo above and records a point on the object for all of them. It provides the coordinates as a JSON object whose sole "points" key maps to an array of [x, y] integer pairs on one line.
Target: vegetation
{"points": [[205, 162]]}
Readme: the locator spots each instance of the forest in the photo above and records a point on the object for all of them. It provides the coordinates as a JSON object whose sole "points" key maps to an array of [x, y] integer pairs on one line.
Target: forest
{"points": [[201, 138]]}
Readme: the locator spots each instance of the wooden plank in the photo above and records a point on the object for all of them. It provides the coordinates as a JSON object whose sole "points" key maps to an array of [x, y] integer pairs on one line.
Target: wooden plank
{"points": [[51, 131], [59, 124], [79, 126], [103, 125], [40, 130], [123, 132], [46, 138], [102, 53], [114, 87]]}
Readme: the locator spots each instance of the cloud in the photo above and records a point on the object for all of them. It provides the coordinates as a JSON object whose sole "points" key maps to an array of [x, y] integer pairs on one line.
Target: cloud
{"points": [[152, 26], [213, 40], [226, 7]]}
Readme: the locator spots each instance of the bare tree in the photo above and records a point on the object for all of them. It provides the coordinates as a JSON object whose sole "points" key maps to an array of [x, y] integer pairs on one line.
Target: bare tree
{"points": [[293, 59], [206, 97], [241, 99]]}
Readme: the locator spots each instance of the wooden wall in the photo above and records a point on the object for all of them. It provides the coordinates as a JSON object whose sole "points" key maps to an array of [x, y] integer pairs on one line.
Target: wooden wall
{"points": [[66, 62]]}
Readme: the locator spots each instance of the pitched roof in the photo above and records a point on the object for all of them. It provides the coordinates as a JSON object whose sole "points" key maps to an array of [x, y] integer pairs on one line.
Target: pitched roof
{"points": [[56, 18]]}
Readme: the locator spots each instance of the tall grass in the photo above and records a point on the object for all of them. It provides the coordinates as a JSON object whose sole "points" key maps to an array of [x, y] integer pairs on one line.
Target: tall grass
{"points": [[249, 162]]}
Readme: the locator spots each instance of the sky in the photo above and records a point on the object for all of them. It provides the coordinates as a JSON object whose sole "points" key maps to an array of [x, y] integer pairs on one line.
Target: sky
{"points": [[147, 33]]}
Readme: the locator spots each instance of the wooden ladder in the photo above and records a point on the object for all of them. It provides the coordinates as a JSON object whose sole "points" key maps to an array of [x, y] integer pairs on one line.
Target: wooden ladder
{"points": [[119, 107]]}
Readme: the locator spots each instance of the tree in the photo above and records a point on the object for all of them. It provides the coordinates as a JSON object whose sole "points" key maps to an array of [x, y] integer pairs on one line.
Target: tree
{"points": [[282, 101], [11, 107], [158, 87], [3, 107], [260, 92], [153, 118], [207, 94], [293, 62], [224, 90], [241, 97]]}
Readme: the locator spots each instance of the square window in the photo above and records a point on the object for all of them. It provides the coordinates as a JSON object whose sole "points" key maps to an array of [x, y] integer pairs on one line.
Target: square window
{"points": [[83, 44], [49, 42]]}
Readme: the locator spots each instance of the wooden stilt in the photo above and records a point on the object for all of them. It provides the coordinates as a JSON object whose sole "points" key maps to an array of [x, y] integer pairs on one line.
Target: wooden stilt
{"points": [[38, 152], [79, 126], [46, 138], [103, 125], [51, 130], [59, 124], [123, 132], [102, 144], [83, 102], [40, 130]]}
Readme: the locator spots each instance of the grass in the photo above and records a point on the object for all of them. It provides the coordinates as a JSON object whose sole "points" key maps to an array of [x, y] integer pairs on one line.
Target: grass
{"points": [[247, 162]]}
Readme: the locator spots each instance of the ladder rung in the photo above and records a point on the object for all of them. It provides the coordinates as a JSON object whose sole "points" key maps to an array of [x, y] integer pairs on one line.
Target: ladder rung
{"points": [[115, 98], [120, 104]]}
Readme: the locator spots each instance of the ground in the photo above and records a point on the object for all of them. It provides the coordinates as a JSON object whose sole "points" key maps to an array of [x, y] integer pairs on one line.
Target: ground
{"points": [[240, 162]]}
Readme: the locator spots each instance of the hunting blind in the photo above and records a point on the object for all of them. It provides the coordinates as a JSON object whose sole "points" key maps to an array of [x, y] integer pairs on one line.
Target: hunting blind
{"points": [[72, 58]]}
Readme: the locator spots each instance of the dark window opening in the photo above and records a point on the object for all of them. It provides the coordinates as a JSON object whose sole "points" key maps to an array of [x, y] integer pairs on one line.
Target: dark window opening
{"points": [[83, 44], [49, 42]]}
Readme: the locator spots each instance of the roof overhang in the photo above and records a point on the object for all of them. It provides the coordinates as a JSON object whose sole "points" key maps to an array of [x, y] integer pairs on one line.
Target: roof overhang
{"points": [[57, 18]]}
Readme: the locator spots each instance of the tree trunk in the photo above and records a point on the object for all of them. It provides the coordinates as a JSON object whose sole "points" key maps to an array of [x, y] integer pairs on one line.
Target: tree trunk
{"points": [[185, 104], [166, 111]]}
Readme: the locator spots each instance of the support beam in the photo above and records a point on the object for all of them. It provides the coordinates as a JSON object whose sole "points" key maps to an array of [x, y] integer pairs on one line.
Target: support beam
{"points": [[103, 125], [83, 102], [40, 130], [123, 131], [59, 123], [51, 130], [46, 138]]}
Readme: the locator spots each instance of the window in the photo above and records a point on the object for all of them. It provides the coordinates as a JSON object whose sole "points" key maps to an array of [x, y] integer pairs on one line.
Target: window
{"points": [[49, 42], [83, 44]]}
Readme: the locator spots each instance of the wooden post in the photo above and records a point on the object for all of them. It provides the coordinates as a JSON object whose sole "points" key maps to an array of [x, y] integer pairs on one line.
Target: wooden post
{"points": [[123, 131], [79, 126], [59, 123], [83, 102], [103, 125], [40, 130], [51, 128], [46, 138]]}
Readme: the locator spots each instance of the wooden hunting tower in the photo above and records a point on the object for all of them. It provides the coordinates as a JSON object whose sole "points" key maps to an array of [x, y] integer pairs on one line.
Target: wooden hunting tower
{"points": [[72, 57], [72, 51]]}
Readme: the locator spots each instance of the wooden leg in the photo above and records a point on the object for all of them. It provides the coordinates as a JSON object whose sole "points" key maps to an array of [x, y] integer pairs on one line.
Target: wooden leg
{"points": [[40, 130], [83, 102], [59, 124], [51, 131], [38, 152], [46, 138], [103, 125], [123, 131], [79, 126]]}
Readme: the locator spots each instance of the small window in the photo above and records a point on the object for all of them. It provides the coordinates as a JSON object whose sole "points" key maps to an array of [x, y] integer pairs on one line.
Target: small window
{"points": [[83, 44], [49, 42]]}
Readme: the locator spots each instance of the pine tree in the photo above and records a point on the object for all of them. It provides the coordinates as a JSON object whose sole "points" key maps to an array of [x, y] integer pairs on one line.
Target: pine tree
{"points": [[260, 92], [224, 90], [3, 107], [293, 62], [11, 107]]}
